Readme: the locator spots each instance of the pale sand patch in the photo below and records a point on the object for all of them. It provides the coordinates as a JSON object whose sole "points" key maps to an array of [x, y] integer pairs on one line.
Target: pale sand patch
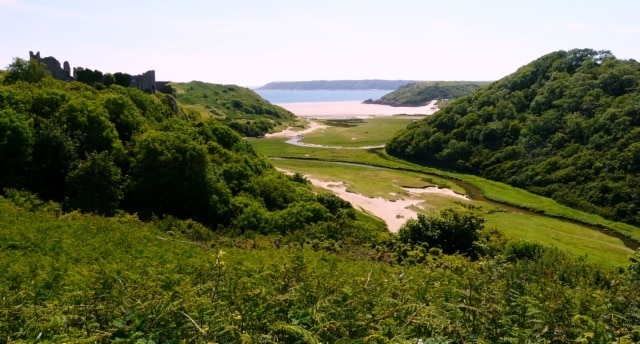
{"points": [[393, 213], [313, 125], [438, 191], [354, 109]]}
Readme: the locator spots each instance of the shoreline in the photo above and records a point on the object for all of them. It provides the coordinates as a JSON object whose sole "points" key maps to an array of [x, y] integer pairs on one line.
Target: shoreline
{"points": [[350, 109]]}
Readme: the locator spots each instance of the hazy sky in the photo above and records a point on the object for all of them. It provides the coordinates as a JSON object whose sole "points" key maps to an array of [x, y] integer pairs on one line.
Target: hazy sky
{"points": [[250, 43]]}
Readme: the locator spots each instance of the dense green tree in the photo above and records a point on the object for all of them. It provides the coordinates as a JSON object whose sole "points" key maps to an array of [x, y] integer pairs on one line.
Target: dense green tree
{"points": [[108, 79], [452, 231], [297, 215], [27, 71], [95, 184], [47, 102], [122, 79], [171, 174], [124, 115], [564, 126], [54, 153], [275, 190], [113, 148], [89, 125], [16, 144], [89, 77]]}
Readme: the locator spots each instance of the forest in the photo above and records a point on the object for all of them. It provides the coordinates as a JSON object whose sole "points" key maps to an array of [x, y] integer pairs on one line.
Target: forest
{"points": [[566, 126], [131, 217], [117, 149]]}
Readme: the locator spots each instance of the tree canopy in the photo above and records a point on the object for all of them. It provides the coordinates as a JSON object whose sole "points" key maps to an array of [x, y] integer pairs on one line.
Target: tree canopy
{"points": [[566, 126], [110, 149], [421, 93]]}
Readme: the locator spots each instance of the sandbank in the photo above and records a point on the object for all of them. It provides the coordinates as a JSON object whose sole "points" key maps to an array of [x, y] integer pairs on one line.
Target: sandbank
{"points": [[354, 109], [393, 212]]}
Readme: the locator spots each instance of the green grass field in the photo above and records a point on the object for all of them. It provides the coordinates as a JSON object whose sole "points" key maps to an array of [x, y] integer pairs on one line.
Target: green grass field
{"points": [[332, 164], [373, 131]]}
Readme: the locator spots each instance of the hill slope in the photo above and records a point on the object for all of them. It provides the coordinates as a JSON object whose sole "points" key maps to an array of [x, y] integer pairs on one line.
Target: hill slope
{"points": [[421, 93], [567, 126], [239, 107]]}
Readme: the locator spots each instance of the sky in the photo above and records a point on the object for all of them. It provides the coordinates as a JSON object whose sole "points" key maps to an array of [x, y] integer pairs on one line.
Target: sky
{"points": [[251, 42]]}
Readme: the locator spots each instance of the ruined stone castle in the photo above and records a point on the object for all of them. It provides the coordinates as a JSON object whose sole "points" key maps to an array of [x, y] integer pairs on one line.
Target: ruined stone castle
{"points": [[146, 81]]}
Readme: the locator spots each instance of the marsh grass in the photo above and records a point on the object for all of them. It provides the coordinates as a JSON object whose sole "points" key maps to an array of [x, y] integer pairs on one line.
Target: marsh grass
{"points": [[492, 190], [366, 180], [543, 226], [598, 247], [375, 131]]}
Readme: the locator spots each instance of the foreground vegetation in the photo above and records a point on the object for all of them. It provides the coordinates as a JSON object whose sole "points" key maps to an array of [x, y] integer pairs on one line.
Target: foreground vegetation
{"points": [[82, 278], [566, 126]]}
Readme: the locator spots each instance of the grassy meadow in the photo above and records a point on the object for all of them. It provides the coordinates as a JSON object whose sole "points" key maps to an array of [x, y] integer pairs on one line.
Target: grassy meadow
{"points": [[358, 132], [373, 173]]}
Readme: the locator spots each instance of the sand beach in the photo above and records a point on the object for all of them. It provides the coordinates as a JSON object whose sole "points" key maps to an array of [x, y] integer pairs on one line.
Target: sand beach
{"points": [[344, 109]]}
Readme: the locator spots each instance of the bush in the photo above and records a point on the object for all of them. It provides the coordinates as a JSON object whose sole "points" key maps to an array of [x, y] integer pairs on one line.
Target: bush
{"points": [[452, 231]]}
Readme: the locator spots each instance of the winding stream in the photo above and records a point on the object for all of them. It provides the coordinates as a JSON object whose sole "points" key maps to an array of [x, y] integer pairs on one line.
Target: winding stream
{"points": [[472, 192]]}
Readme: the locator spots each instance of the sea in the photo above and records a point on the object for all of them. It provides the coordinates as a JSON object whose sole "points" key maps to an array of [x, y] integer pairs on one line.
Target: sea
{"points": [[317, 96]]}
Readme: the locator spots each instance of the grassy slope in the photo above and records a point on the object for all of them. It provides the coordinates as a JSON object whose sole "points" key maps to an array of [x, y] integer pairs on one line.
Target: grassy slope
{"points": [[230, 100], [358, 132]]}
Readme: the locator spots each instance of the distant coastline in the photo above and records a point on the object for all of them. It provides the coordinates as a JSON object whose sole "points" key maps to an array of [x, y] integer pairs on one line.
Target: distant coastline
{"points": [[276, 96], [351, 109], [374, 84]]}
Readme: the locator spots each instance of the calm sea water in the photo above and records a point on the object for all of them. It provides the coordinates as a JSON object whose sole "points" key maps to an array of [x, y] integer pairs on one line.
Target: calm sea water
{"points": [[312, 96]]}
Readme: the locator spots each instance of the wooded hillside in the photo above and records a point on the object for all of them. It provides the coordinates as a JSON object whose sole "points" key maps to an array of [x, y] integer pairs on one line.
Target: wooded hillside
{"points": [[421, 93], [117, 149], [567, 126]]}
